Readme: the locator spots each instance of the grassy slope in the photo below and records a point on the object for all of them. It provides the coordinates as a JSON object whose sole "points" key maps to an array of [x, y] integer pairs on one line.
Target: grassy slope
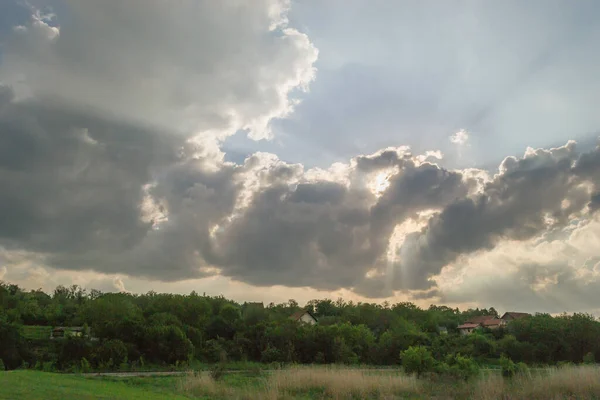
{"points": [[33, 385]]}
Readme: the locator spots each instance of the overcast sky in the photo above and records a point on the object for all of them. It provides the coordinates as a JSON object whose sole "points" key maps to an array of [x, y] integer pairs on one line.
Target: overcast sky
{"points": [[435, 152]]}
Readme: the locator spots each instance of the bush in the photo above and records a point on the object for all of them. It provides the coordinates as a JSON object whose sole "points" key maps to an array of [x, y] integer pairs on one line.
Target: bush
{"points": [[48, 366], [112, 353], [85, 365], [464, 367], [2, 368], [510, 369], [565, 364], [270, 354], [214, 350], [589, 358], [417, 360], [217, 372], [167, 344]]}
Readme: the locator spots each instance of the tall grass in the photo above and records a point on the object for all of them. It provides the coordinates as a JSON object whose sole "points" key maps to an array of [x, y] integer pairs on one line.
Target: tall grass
{"points": [[574, 382], [341, 383], [323, 382]]}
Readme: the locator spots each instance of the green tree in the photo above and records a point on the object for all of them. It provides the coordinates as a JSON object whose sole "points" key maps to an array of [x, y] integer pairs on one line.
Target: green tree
{"points": [[417, 360], [112, 353]]}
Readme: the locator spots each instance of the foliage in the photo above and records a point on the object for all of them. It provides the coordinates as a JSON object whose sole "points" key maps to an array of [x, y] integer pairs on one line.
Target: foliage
{"points": [[417, 360], [510, 368], [463, 367], [128, 330], [589, 358], [112, 353]]}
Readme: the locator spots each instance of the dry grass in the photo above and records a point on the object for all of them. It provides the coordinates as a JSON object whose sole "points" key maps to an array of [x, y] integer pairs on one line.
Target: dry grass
{"points": [[582, 382], [340, 383], [576, 382], [201, 384], [323, 382]]}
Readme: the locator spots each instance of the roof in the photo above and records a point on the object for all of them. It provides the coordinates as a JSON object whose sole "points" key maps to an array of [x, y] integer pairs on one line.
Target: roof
{"points": [[70, 328], [516, 315], [298, 314], [480, 319], [493, 322], [467, 325]]}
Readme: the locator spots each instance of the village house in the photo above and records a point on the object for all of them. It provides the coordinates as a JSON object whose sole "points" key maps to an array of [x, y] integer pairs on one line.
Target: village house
{"points": [[467, 328], [60, 332], [489, 321], [304, 317], [511, 316]]}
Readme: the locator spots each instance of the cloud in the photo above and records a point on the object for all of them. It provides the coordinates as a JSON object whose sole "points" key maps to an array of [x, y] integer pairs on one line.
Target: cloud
{"points": [[198, 66], [541, 192], [460, 138], [111, 164], [548, 276]]}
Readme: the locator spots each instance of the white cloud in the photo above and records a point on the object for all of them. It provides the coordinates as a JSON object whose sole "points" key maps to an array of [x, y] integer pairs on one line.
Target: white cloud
{"points": [[194, 66], [460, 138]]}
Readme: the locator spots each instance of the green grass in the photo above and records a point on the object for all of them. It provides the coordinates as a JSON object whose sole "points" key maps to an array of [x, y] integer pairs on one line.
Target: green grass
{"points": [[34, 385], [37, 332]]}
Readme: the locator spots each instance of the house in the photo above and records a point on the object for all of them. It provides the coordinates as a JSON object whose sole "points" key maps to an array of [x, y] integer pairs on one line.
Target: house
{"points": [[251, 304], [493, 323], [511, 316], [60, 332], [467, 328], [304, 317], [482, 321]]}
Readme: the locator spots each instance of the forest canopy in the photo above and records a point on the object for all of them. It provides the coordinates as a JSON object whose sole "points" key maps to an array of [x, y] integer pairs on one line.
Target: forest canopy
{"points": [[123, 329]]}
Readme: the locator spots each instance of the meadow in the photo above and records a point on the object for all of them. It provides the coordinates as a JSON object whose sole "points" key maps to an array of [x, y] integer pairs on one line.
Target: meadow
{"points": [[570, 382]]}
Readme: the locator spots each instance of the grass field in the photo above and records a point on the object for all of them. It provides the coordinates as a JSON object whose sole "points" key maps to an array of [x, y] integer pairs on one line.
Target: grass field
{"points": [[34, 385], [307, 383]]}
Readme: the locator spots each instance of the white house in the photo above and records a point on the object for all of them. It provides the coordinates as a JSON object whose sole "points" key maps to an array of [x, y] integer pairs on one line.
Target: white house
{"points": [[304, 317]]}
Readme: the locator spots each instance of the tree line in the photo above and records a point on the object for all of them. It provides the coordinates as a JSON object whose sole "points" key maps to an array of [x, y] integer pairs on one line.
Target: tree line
{"points": [[168, 329]]}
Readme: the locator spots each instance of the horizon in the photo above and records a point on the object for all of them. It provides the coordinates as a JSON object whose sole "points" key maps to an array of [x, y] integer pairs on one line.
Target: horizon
{"points": [[266, 150]]}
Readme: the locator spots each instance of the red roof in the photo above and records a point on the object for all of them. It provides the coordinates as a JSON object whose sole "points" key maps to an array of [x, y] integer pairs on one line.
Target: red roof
{"points": [[480, 319], [467, 325], [516, 315], [493, 322]]}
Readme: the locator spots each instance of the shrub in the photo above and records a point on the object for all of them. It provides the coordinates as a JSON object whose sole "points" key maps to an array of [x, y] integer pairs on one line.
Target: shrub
{"points": [[2, 368], [85, 365], [112, 353], [589, 358], [417, 360], [320, 358], [48, 366], [217, 372], [464, 367], [167, 344], [270, 354], [565, 364], [214, 350], [510, 369]]}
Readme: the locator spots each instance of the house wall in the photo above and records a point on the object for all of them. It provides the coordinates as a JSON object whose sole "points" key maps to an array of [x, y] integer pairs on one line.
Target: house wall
{"points": [[307, 319]]}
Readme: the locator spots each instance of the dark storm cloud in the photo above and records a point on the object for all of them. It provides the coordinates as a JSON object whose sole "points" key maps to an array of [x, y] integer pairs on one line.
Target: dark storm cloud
{"points": [[541, 191], [88, 192], [71, 181]]}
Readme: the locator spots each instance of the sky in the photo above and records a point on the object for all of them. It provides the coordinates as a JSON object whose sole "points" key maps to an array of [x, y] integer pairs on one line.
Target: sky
{"points": [[424, 151]]}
